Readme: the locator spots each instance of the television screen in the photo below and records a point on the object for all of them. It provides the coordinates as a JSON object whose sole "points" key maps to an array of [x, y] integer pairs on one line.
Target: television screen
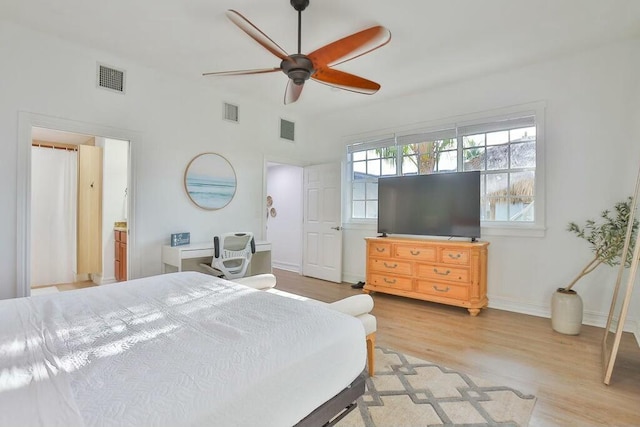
{"points": [[443, 204]]}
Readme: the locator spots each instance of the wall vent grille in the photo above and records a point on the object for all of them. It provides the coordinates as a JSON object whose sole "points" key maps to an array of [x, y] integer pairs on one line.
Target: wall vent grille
{"points": [[110, 78], [231, 112], [287, 130]]}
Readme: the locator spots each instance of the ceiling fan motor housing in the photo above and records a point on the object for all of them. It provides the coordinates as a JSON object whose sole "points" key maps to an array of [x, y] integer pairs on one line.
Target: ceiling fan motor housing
{"points": [[298, 68], [299, 5]]}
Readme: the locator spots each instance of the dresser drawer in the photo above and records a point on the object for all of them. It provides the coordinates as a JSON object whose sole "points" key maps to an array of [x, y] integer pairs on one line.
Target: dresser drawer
{"points": [[443, 290], [391, 282], [443, 272], [455, 256], [380, 249], [417, 252], [390, 266]]}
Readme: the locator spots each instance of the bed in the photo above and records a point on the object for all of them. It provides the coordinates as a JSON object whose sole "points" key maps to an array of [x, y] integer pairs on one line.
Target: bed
{"points": [[180, 349]]}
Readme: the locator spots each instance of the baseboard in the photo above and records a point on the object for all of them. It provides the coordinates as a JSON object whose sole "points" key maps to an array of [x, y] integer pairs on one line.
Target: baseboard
{"points": [[352, 278], [100, 280], [589, 317], [286, 266], [636, 332], [519, 307]]}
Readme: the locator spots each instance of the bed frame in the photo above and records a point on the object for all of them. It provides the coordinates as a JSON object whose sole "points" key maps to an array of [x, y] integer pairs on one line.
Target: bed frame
{"points": [[336, 408]]}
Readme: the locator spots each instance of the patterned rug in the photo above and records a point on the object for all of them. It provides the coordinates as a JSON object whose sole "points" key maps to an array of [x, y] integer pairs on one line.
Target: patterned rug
{"points": [[407, 391]]}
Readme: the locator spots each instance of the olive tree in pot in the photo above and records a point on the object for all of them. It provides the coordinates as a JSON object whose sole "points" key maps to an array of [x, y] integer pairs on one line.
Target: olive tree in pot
{"points": [[607, 239]]}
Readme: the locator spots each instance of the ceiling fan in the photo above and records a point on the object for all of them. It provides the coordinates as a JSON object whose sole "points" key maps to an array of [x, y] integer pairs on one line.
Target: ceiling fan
{"points": [[318, 64]]}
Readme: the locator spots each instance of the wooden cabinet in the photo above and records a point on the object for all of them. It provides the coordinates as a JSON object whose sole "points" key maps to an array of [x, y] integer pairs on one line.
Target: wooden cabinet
{"points": [[120, 255], [448, 272]]}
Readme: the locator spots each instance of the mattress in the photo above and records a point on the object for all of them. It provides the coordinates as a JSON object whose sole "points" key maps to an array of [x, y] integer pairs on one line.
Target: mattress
{"points": [[181, 349]]}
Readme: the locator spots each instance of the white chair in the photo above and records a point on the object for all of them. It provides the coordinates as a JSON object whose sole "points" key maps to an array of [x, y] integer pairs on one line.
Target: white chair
{"points": [[232, 255]]}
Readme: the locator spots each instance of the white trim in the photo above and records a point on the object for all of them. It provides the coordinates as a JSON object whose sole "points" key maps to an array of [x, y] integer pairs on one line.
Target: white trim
{"points": [[590, 318], [461, 119], [26, 121], [352, 278], [287, 266], [507, 304]]}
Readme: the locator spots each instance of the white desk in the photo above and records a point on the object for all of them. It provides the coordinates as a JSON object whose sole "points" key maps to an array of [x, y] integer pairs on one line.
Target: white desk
{"points": [[174, 256]]}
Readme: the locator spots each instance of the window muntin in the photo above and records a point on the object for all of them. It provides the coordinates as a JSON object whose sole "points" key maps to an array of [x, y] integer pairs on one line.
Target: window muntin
{"points": [[503, 150], [367, 166], [507, 160]]}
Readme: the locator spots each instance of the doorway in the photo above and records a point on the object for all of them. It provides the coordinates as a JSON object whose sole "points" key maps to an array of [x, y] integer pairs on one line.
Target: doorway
{"points": [[78, 197], [283, 217], [124, 206], [303, 218]]}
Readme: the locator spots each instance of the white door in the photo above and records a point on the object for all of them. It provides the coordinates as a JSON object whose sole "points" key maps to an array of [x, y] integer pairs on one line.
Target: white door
{"points": [[322, 222]]}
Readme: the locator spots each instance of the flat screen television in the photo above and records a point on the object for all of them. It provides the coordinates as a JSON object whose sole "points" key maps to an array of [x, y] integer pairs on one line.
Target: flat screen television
{"points": [[443, 204]]}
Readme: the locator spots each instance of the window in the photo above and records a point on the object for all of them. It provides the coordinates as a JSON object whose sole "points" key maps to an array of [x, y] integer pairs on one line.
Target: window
{"points": [[504, 149]]}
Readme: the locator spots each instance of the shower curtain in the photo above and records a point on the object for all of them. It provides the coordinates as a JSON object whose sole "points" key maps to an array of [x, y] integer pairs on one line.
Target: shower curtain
{"points": [[53, 216]]}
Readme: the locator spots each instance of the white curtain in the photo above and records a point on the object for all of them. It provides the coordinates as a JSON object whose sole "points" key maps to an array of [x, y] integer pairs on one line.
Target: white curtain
{"points": [[53, 216]]}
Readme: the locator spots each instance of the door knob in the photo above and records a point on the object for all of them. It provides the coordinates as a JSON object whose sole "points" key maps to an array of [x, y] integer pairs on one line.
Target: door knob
{"points": [[336, 228]]}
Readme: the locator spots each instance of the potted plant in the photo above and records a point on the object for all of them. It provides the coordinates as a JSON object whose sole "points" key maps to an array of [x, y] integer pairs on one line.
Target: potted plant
{"points": [[607, 239]]}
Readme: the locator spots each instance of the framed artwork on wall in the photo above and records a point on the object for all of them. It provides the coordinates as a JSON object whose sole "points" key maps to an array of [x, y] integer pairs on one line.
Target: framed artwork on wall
{"points": [[210, 181]]}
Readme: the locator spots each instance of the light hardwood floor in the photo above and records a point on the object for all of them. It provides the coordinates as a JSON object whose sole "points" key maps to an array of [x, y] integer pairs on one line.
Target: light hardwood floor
{"points": [[68, 286], [516, 350]]}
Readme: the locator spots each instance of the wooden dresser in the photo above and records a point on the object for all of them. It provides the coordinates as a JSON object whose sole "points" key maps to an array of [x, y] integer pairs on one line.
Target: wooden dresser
{"points": [[443, 271]]}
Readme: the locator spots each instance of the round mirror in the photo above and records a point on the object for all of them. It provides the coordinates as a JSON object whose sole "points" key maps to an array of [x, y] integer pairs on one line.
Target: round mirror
{"points": [[210, 181]]}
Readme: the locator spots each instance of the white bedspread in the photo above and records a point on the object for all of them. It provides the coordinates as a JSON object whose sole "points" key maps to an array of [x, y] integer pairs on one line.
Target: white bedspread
{"points": [[181, 349]]}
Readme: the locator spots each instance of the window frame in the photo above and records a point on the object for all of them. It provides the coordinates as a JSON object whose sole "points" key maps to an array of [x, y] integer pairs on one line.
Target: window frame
{"points": [[443, 127]]}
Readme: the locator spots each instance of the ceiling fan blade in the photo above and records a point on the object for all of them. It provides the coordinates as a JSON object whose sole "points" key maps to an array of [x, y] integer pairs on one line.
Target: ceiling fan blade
{"points": [[345, 81], [292, 92], [241, 72], [254, 32], [350, 47]]}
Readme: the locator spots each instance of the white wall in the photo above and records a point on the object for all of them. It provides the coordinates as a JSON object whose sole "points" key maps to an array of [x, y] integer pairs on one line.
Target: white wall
{"points": [[592, 158], [284, 231], [592, 152], [175, 119]]}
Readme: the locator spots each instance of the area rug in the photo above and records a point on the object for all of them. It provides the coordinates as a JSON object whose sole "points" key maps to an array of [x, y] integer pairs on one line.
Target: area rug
{"points": [[406, 391]]}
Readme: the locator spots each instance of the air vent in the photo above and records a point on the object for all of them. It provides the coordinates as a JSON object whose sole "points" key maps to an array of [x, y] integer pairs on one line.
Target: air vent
{"points": [[287, 130], [110, 78], [231, 112]]}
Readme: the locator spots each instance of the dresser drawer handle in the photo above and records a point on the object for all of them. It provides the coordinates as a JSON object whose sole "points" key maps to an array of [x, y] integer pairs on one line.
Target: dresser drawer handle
{"points": [[414, 253], [391, 282], [446, 273], [380, 249], [456, 256], [390, 265], [441, 290]]}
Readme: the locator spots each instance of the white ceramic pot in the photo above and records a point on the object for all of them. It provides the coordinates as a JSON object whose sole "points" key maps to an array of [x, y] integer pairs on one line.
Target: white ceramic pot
{"points": [[566, 312]]}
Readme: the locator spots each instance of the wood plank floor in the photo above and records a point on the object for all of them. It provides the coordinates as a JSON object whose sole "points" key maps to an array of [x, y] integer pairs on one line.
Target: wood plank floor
{"points": [[68, 286], [516, 350]]}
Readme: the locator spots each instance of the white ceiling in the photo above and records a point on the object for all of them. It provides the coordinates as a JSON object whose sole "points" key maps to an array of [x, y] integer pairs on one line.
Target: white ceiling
{"points": [[433, 42]]}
